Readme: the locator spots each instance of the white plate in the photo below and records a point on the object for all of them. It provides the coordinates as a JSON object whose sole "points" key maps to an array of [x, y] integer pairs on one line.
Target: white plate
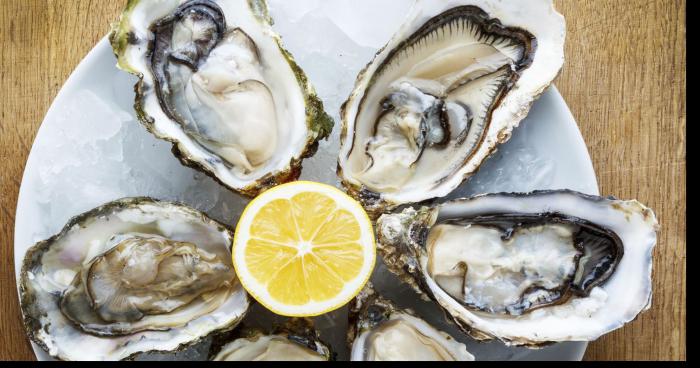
{"points": [[90, 150]]}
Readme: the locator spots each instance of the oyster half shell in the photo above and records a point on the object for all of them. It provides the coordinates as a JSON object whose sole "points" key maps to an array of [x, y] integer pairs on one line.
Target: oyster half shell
{"points": [[296, 340], [527, 269], [379, 331], [439, 98], [132, 276], [217, 83]]}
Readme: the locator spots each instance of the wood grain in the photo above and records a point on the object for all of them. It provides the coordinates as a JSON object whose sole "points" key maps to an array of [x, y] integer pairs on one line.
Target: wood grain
{"points": [[624, 80]]}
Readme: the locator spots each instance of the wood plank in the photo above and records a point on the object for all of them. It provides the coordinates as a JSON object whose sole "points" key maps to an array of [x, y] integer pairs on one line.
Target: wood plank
{"points": [[625, 83], [42, 42]]}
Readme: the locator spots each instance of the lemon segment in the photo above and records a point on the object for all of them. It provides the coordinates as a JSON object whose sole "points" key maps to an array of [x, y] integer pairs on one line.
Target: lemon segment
{"points": [[304, 249]]}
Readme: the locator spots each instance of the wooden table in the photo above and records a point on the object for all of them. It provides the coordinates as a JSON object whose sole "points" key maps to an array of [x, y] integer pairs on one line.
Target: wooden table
{"points": [[624, 80]]}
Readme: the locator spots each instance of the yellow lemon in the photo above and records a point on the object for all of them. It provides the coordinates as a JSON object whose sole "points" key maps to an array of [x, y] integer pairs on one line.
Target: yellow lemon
{"points": [[304, 249]]}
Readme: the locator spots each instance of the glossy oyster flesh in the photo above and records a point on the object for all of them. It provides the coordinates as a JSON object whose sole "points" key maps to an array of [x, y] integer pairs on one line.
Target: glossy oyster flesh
{"points": [[450, 86], [297, 340], [217, 83], [132, 276], [528, 269], [379, 331]]}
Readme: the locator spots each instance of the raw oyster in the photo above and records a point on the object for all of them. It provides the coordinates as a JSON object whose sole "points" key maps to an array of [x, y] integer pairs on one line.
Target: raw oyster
{"points": [[217, 83], [379, 331], [527, 269], [439, 98], [297, 340], [132, 276]]}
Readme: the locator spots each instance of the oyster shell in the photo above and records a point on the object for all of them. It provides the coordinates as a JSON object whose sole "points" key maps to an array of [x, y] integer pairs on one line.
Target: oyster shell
{"points": [[217, 83], [132, 276], [439, 98], [296, 340], [381, 331], [527, 269]]}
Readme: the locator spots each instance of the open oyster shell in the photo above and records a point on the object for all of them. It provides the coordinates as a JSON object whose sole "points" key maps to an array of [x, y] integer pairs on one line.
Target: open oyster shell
{"points": [[439, 98], [217, 83], [527, 269], [296, 340], [132, 276], [381, 331]]}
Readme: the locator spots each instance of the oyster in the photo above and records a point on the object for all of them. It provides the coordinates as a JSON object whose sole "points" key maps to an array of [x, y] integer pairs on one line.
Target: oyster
{"points": [[132, 276], [441, 96], [379, 331], [216, 82], [527, 269], [297, 340]]}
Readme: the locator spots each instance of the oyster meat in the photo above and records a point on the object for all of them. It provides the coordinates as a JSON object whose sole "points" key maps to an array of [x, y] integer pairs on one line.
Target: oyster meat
{"points": [[297, 340], [528, 269], [215, 81], [379, 331], [439, 98], [132, 276]]}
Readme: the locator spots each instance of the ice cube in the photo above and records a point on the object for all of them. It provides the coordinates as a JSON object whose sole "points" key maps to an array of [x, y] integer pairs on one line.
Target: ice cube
{"points": [[369, 23]]}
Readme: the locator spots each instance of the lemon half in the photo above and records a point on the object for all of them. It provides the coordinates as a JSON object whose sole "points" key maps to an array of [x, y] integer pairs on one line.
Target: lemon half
{"points": [[303, 249]]}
